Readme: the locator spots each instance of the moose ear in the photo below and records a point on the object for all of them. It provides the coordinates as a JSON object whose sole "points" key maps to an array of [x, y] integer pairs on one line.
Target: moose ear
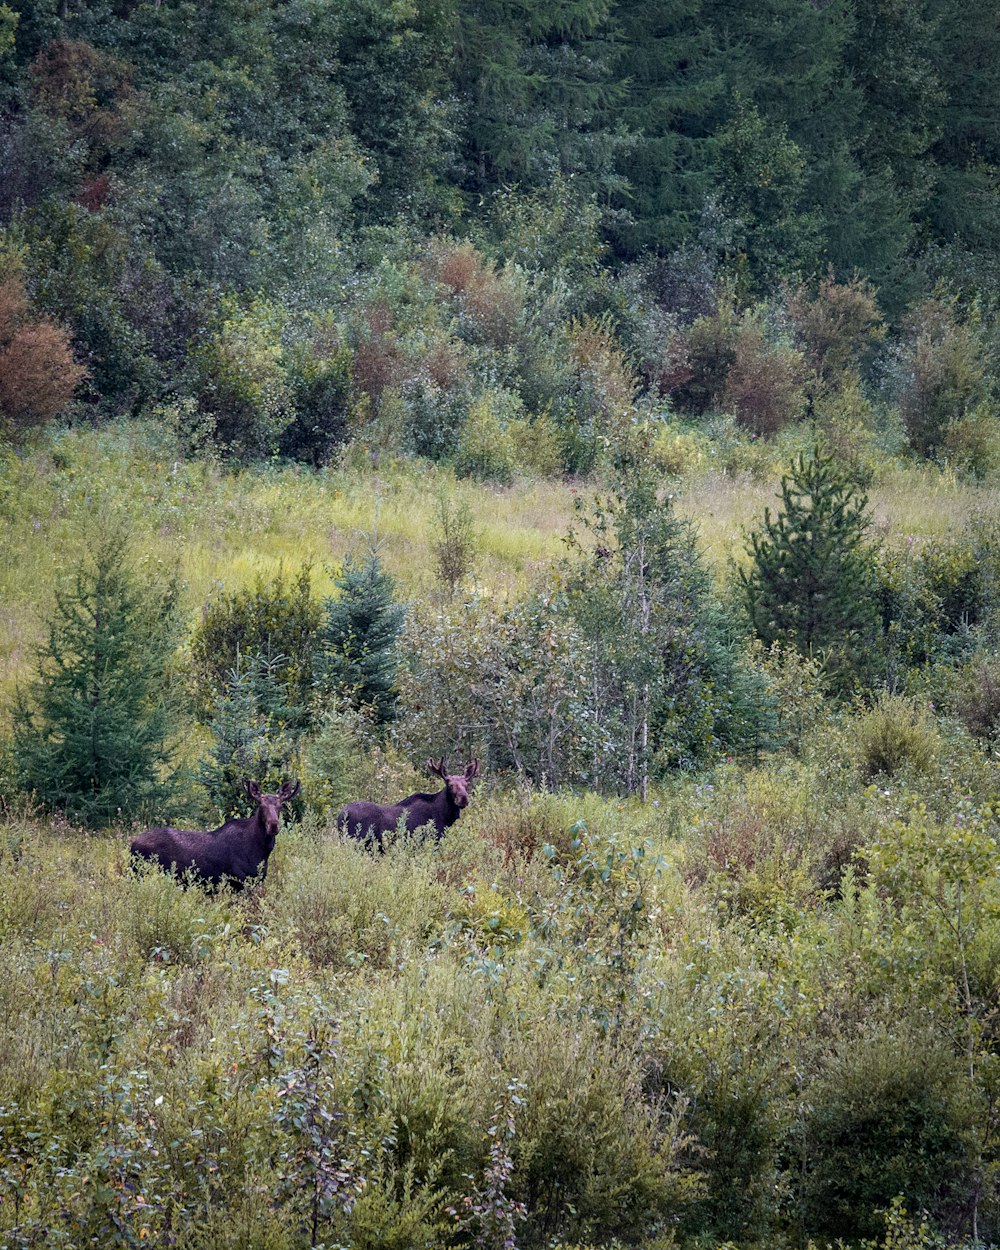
{"points": [[438, 768], [289, 791], [472, 770], [253, 790]]}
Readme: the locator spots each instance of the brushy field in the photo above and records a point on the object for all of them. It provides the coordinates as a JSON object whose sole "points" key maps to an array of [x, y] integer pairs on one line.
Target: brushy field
{"points": [[571, 1023], [759, 1010], [222, 529]]}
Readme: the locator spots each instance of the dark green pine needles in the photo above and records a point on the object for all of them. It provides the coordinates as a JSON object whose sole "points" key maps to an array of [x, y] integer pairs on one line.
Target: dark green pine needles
{"points": [[358, 638], [93, 730], [811, 583]]}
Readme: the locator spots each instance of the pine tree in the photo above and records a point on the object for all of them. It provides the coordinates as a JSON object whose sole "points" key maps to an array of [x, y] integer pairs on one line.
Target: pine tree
{"points": [[811, 583], [358, 638], [256, 734], [663, 686], [92, 733]]}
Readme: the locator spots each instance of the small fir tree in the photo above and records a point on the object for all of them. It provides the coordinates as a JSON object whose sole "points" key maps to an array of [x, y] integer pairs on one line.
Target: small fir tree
{"points": [[358, 638], [254, 731], [92, 732], [812, 581]]}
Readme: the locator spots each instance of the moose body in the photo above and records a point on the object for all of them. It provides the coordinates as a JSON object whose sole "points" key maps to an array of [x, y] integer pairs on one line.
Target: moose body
{"points": [[370, 822], [233, 853]]}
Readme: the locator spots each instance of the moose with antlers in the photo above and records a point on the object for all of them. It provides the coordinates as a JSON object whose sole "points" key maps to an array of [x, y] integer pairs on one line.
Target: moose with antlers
{"points": [[370, 822]]}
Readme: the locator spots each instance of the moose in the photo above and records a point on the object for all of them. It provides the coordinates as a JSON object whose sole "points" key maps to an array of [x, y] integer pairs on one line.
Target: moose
{"points": [[369, 822], [233, 853]]}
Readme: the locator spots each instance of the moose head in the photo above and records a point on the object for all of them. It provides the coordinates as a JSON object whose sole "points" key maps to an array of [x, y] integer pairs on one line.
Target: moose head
{"points": [[456, 784], [269, 805]]}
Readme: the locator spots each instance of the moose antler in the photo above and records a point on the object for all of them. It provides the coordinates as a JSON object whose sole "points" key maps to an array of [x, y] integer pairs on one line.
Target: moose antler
{"points": [[438, 767], [472, 770]]}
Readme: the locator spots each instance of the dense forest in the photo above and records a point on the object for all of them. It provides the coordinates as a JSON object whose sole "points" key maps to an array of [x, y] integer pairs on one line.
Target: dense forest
{"points": [[287, 226], [600, 399]]}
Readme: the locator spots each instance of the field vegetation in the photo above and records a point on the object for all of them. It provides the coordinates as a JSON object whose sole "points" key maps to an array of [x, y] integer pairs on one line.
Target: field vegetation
{"points": [[553, 387]]}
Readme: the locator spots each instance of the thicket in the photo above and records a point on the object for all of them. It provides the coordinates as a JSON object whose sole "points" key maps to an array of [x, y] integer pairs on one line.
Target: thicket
{"points": [[607, 212], [571, 1024]]}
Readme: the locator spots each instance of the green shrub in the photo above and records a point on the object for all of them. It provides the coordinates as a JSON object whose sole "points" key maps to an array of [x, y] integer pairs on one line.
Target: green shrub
{"points": [[487, 446], [276, 620], [897, 734], [943, 376], [242, 380], [319, 382], [972, 442], [887, 1117], [974, 695]]}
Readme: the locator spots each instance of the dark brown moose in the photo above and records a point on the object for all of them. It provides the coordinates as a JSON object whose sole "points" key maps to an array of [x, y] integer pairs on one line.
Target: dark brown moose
{"points": [[234, 852], [370, 822]]}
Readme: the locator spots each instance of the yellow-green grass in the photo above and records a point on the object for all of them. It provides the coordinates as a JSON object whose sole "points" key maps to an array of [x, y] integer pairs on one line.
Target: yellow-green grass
{"points": [[921, 503], [221, 529]]}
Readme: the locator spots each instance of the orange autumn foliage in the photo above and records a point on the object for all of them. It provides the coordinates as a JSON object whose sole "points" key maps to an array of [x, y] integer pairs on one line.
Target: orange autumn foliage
{"points": [[38, 375]]}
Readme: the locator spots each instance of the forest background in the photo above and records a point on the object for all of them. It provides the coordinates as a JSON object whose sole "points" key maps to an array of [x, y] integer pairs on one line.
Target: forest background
{"points": [[607, 392]]}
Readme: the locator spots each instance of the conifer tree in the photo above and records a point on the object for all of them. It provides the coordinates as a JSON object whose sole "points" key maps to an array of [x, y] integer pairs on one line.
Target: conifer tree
{"points": [[811, 583], [256, 734], [358, 638], [92, 732], [664, 687]]}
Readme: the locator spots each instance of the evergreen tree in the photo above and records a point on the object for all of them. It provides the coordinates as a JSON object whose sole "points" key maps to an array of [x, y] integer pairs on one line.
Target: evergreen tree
{"points": [[671, 84], [536, 83], [664, 687], [92, 732], [811, 583], [358, 636], [255, 735]]}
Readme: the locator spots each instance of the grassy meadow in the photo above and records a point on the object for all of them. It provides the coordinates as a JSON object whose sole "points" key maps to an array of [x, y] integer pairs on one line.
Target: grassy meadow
{"points": [[221, 529], [758, 1009]]}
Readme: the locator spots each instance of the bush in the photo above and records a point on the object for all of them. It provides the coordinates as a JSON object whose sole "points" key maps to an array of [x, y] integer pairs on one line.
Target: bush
{"points": [[942, 375], [242, 380], [887, 1117], [38, 375], [972, 442], [275, 620], [454, 544], [897, 734], [319, 384], [974, 695], [837, 327], [488, 301], [764, 383], [710, 349], [487, 445]]}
